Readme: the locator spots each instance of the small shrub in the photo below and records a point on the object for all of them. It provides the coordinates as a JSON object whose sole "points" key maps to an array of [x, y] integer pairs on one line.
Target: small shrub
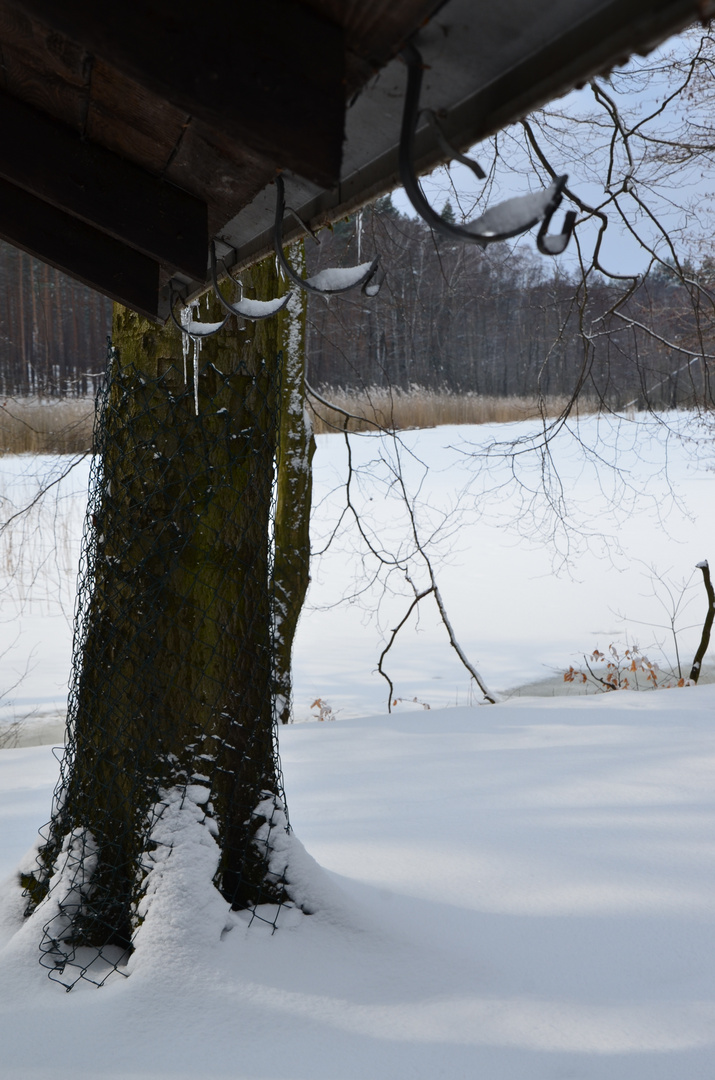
{"points": [[622, 669], [325, 711]]}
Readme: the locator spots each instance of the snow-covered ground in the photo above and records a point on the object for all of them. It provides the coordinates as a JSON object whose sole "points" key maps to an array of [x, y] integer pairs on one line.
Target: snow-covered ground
{"points": [[512, 892]]}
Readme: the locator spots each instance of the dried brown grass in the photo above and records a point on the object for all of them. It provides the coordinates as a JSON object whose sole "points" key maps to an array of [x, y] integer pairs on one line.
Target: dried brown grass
{"points": [[419, 408], [29, 426], [65, 426]]}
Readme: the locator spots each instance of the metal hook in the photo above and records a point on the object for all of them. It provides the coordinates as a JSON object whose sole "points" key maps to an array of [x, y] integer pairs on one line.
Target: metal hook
{"points": [[554, 245], [447, 147], [246, 309], [304, 224], [335, 279], [501, 222], [194, 329]]}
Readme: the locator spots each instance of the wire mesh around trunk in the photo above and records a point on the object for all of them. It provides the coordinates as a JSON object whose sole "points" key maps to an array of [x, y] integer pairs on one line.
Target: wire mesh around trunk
{"points": [[171, 703]]}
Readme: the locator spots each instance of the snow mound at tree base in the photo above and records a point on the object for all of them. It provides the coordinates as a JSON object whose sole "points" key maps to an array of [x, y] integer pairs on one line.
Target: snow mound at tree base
{"points": [[510, 891]]}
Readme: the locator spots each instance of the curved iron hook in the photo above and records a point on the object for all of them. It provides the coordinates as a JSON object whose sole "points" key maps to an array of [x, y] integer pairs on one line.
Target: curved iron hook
{"points": [[450, 150], [554, 245], [253, 310], [195, 329], [501, 222], [336, 279]]}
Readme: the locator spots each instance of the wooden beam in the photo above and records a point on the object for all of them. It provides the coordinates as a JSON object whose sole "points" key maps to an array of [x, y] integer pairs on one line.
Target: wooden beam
{"points": [[51, 161], [270, 73], [84, 253]]}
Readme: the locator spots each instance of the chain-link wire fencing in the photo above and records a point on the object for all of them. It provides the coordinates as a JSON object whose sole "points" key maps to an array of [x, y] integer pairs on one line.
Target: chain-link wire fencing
{"points": [[171, 715]]}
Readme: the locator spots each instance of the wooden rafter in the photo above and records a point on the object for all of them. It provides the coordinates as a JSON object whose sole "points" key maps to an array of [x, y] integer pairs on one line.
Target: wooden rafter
{"points": [[48, 160], [271, 74], [90, 256]]}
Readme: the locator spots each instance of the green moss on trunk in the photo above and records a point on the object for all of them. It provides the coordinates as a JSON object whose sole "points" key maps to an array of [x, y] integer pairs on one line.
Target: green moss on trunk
{"points": [[293, 492], [174, 679]]}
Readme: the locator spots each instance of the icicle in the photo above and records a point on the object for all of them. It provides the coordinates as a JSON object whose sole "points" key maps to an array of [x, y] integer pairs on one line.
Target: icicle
{"points": [[197, 352], [330, 280], [193, 337], [186, 320], [358, 230]]}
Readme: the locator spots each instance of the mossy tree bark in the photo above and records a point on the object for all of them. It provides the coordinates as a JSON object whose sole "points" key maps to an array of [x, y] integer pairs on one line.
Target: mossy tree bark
{"points": [[173, 658], [296, 446]]}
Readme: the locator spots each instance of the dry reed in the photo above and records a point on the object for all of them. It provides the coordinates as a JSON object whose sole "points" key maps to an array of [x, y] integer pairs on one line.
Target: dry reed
{"points": [[396, 410], [29, 426], [32, 426]]}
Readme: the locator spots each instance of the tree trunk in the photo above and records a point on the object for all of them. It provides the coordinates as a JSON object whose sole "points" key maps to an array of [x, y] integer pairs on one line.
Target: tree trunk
{"points": [[173, 648], [296, 446], [708, 624]]}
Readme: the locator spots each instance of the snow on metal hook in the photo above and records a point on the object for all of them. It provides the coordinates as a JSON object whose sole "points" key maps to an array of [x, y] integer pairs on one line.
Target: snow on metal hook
{"points": [[192, 328], [335, 279], [501, 222], [253, 310]]}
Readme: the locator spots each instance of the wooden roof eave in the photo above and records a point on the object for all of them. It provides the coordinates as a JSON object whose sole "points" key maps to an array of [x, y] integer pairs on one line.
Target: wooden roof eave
{"points": [[120, 158], [608, 32]]}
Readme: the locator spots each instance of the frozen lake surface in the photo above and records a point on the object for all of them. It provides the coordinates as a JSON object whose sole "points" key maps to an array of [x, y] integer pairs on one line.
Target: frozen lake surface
{"points": [[526, 600]]}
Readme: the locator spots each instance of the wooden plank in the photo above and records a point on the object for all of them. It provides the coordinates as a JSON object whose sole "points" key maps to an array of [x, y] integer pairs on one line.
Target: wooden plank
{"points": [[50, 161], [45, 69], [269, 73], [232, 176], [90, 256], [133, 122], [30, 81], [136, 124], [51, 53]]}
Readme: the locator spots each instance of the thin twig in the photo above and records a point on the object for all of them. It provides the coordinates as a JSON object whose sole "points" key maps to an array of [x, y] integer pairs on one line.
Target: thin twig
{"points": [[393, 635]]}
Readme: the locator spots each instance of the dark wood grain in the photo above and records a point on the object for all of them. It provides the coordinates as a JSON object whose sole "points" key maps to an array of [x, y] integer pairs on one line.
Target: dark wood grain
{"points": [[132, 121], [44, 67], [271, 74], [374, 31], [51, 162]]}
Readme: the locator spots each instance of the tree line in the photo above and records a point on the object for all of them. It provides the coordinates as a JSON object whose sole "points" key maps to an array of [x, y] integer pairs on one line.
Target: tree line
{"points": [[53, 330]]}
